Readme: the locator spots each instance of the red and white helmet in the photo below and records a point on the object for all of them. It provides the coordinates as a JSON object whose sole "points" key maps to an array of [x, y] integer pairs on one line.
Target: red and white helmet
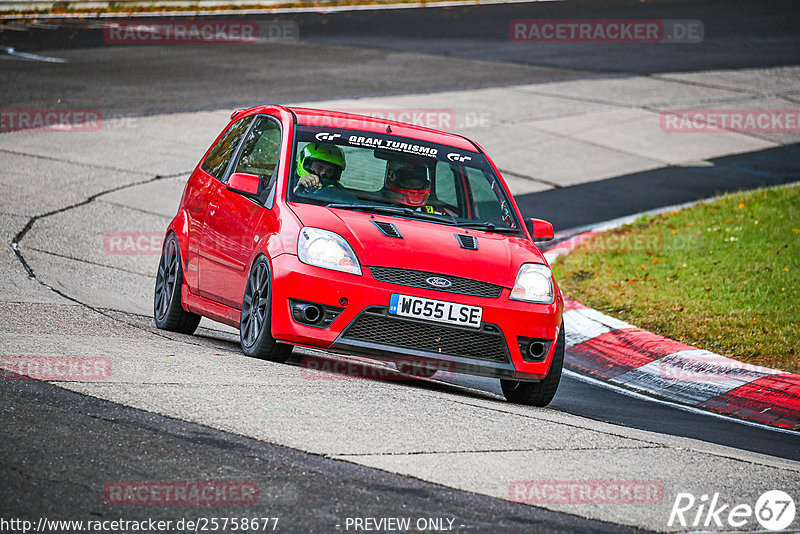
{"points": [[408, 184]]}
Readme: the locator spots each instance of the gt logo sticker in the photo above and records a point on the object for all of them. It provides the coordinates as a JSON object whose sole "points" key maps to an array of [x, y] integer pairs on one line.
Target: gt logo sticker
{"points": [[325, 136], [455, 156]]}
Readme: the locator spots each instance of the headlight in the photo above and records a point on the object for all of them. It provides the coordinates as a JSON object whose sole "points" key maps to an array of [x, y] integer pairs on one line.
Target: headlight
{"points": [[534, 284], [327, 250]]}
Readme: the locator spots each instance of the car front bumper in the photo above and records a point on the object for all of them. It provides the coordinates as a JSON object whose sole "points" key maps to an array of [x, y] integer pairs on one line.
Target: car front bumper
{"points": [[365, 327]]}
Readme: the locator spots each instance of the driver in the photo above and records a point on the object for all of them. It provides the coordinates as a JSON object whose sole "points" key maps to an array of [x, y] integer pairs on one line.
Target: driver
{"points": [[409, 186], [320, 165]]}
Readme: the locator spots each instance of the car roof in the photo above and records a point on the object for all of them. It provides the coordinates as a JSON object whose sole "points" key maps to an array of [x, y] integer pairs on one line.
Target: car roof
{"points": [[351, 121]]}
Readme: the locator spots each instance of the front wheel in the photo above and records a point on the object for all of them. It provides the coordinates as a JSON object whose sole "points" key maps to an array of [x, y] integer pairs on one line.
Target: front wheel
{"points": [[168, 312], [255, 324], [542, 392]]}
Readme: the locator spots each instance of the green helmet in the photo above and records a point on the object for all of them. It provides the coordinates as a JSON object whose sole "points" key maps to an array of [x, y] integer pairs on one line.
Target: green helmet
{"points": [[330, 154]]}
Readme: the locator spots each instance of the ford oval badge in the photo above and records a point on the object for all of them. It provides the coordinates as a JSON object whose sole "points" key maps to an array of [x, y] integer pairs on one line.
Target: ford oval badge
{"points": [[435, 281]]}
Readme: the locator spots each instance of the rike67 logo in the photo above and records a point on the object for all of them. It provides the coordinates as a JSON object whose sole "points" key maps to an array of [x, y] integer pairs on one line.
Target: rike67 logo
{"points": [[774, 510]]}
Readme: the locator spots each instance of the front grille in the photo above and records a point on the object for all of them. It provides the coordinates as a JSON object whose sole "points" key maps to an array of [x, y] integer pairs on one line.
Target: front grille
{"points": [[461, 286], [374, 326]]}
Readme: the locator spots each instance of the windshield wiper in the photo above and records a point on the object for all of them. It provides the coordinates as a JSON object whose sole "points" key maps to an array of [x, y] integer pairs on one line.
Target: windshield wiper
{"points": [[489, 227], [393, 210]]}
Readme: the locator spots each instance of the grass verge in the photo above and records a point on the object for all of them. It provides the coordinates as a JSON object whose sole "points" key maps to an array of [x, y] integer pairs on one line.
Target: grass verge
{"points": [[722, 276]]}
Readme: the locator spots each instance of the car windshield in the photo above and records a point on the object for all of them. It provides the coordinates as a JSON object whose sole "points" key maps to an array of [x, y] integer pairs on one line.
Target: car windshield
{"points": [[392, 175]]}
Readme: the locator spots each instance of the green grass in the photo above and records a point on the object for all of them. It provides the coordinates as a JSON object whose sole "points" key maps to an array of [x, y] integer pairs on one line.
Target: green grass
{"points": [[721, 276]]}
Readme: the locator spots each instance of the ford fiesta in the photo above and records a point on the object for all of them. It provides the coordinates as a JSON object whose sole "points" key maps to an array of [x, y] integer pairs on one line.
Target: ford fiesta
{"points": [[363, 236]]}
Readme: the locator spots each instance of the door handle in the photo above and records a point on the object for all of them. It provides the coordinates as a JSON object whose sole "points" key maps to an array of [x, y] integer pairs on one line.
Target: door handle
{"points": [[212, 207]]}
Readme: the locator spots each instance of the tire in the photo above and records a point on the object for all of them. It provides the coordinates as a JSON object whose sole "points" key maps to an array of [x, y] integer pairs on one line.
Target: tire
{"points": [[255, 331], [168, 311], [542, 392]]}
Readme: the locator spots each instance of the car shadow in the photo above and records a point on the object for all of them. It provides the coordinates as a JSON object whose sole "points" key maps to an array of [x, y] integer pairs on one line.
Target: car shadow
{"points": [[316, 364]]}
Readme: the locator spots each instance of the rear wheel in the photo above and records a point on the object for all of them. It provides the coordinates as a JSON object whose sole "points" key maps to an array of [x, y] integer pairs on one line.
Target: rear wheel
{"points": [[542, 392], [168, 312], [255, 325]]}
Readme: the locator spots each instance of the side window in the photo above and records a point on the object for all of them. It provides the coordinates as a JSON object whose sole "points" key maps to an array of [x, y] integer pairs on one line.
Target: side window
{"points": [[445, 185], [216, 163], [487, 198], [261, 150]]}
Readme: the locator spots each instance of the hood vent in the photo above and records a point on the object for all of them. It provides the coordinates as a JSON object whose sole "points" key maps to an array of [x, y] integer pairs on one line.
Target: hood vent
{"points": [[387, 229], [467, 241]]}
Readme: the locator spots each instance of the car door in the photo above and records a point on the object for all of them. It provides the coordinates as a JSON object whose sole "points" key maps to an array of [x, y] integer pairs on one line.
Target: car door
{"points": [[235, 223], [204, 188]]}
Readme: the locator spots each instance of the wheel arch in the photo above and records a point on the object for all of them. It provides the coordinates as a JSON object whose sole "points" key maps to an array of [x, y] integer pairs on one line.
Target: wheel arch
{"points": [[180, 227]]}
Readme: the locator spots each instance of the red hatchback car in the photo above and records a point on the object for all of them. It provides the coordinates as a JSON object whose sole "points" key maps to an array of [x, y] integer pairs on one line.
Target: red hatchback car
{"points": [[363, 236]]}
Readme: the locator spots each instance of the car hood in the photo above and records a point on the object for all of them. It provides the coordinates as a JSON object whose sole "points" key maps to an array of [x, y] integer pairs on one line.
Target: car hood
{"points": [[425, 246]]}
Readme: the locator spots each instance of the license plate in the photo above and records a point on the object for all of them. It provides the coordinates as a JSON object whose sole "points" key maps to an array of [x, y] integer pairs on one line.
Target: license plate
{"points": [[435, 310]]}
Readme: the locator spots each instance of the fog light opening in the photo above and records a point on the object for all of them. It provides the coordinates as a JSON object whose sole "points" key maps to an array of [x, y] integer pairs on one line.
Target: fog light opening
{"points": [[312, 313], [536, 349]]}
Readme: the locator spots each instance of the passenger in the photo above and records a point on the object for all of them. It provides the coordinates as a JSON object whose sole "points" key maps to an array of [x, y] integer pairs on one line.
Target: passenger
{"points": [[407, 185], [410, 187]]}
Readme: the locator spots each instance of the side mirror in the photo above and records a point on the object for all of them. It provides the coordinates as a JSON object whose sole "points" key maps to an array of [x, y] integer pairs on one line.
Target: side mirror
{"points": [[541, 230], [243, 183]]}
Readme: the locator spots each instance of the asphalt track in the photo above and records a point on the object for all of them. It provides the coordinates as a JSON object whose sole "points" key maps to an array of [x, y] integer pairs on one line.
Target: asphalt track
{"points": [[306, 492], [390, 52], [669, 186], [354, 62]]}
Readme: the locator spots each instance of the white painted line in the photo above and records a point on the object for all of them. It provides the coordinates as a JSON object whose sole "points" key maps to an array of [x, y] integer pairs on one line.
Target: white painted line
{"points": [[584, 324], [683, 407], [692, 376], [35, 57]]}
